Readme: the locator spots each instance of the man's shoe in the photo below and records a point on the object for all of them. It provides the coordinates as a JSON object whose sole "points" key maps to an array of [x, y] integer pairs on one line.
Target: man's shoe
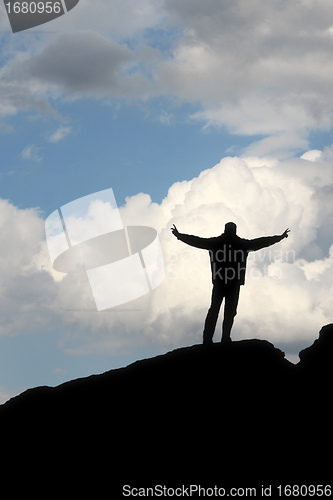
{"points": [[207, 343], [226, 341]]}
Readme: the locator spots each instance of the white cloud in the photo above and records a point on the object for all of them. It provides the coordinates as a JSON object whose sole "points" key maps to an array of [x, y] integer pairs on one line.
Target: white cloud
{"points": [[26, 291], [313, 155], [261, 200], [59, 134], [31, 152]]}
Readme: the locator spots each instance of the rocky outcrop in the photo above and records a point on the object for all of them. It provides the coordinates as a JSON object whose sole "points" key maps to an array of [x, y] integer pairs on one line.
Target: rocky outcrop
{"points": [[234, 415]]}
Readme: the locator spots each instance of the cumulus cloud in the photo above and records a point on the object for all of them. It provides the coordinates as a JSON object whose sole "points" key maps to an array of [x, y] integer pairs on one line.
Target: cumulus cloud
{"points": [[26, 290], [31, 152], [262, 199], [288, 288], [286, 298], [60, 134], [312, 155]]}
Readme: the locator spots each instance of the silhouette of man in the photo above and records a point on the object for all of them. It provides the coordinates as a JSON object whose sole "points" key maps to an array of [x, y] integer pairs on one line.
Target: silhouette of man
{"points": [[228, 255]]}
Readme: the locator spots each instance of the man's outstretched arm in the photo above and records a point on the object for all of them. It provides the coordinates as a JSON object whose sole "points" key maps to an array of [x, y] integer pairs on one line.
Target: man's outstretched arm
{"points": [[189, 239], [266, 241]]}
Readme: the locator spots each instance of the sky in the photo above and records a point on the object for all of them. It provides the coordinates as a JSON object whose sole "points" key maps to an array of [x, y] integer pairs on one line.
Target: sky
{"points": [[194, 113]]}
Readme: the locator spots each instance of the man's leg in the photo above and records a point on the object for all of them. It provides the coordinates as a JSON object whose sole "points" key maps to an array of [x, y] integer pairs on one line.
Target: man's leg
{"points": [[212, 315], [230, 310]]}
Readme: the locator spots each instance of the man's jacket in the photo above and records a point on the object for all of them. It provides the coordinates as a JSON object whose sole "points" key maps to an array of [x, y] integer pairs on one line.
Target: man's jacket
{"points": [[228, 254]]}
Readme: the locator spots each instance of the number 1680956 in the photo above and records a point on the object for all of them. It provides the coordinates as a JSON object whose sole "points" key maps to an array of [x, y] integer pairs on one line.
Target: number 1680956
{"points": [[33, 7]]}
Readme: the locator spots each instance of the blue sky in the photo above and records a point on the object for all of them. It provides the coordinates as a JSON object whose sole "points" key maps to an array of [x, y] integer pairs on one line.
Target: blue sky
{"points": [[212, 103], [121, 146]]}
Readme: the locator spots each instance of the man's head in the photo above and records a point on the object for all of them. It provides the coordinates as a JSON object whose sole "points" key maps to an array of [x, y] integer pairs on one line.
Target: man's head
{"points": [[230, 228]]}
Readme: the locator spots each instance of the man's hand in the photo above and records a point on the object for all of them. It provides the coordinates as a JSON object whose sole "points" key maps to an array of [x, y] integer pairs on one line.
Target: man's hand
{"points": [[175, 231], [285, 234]]}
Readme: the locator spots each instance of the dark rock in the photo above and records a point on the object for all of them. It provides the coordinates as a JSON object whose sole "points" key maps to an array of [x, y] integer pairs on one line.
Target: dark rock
{"points": [[318, 357], [230, 415]]}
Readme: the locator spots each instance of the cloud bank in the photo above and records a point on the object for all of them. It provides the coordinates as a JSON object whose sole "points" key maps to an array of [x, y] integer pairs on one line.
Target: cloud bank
{"points": [[287, 296], [257, 68]]}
